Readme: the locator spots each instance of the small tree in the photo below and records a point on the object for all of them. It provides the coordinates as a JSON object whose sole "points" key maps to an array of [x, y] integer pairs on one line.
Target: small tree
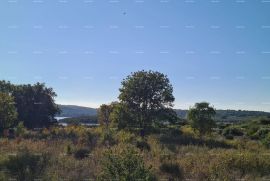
{"points": [[8, 113], [201, 117], [104, 112]]}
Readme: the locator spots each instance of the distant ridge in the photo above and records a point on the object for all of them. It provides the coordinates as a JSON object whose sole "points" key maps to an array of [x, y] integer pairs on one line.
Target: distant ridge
{"points": [[76, 111], [222, 115], [229, 115]]}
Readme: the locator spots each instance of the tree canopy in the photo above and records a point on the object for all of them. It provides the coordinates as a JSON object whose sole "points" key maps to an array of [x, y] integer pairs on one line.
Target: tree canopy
{"points": [[201, 117], [147, 95], [34, 103], [104, 112]]}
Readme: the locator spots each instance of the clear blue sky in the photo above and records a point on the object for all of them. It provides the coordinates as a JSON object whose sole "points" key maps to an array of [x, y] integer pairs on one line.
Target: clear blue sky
{"points": [[216, 51]]}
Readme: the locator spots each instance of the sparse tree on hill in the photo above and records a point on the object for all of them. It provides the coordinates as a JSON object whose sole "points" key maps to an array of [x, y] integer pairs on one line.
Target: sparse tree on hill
{"points": [[201, 117]]}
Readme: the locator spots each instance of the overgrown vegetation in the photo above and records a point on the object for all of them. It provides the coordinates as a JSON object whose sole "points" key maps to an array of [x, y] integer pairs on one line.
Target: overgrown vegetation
{"points": [[139, 138]]}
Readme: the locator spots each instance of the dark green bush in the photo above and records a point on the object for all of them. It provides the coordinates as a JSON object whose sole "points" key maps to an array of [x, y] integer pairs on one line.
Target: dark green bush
{"points": [[172, 169], [26, 166], [266, 140], [69, 150], [81, 153], [262, 133], [252, 129], [143, 145], [265, 121], [229, 136], [233, 131]]}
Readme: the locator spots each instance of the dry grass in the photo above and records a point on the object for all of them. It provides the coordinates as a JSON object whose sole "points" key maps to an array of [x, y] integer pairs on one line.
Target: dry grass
{"points": [[242, 159]]}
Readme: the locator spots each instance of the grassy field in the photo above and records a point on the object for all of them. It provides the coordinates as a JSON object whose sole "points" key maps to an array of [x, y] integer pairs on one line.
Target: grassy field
{"points": [[169, 153]]}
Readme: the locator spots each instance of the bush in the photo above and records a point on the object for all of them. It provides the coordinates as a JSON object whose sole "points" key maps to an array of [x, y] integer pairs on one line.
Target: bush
{"points": [[107, 137], [229, 136], [81, 153], [87, 138], [143, 145], [171, 168], [175, 132], [20, 129], [232, 131], [69, 150], [252, 129], [25, 165], [266, 141], [265, 121], [262, 133], [124, 163], [125, 136]]}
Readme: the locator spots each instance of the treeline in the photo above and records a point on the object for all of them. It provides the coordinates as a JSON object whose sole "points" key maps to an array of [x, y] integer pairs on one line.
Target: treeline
{"points": [[33, 105], [145, 102]]}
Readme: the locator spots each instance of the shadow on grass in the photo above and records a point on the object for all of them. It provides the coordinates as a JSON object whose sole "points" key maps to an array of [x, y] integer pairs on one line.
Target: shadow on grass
{"points": [[168, 140]]}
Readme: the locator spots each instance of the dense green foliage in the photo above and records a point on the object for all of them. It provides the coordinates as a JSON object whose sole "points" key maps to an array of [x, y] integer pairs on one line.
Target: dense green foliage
{"points": [[104, 114], [34, 103], [148, 97], [8, 113], [201, 117]]}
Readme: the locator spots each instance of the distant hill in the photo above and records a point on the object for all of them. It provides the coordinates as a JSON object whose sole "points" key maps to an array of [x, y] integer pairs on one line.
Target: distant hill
{"points": [[222, 115], [81, 120], [229, 115], [76, 111]]}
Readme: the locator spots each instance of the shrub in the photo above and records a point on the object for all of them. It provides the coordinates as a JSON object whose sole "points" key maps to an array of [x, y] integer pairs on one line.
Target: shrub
{"points": [[87, 138], [262, 133], [171, 168], [175, 132], [69, 149], [125, 136], [143, 145], [20, 129], [233, 131], [107, 137], [266, 141], [252, 129], [124, 163], [81, 153], [25, 165], [265, 121], [229, 136]]}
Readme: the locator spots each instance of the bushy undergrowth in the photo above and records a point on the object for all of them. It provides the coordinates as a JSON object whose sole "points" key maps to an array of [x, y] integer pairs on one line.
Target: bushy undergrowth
{"points": [[124, 163], [80, 153], [24, 165]]}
